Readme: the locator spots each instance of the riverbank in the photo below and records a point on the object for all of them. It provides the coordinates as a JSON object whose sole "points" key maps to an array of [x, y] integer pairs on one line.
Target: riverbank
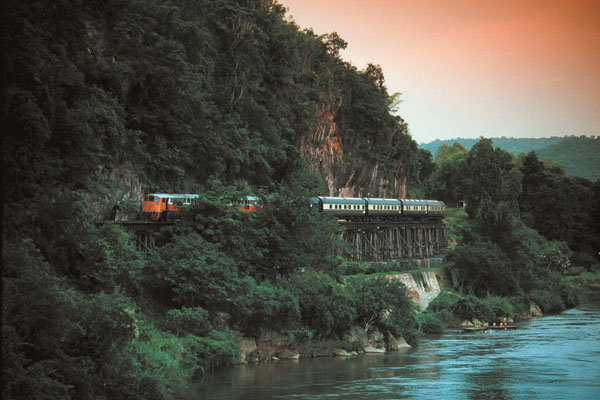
{"points": [[549, 357]]}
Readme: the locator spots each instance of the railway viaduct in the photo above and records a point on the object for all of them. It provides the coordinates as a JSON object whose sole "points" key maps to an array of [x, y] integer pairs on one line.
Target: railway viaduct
{"points": [[387, 241], [365, 241]]}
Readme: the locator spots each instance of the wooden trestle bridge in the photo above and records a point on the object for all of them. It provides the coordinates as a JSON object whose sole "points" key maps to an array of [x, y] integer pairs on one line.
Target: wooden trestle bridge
{"points": [[386, 241], [145, 232], [366, 241]]}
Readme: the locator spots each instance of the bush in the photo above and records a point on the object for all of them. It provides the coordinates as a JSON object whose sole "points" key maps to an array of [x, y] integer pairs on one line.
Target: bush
{"points": [[429, 323], [444, 301], [500, 307], [160, 365], [194, 320], [471, 307], [549, 301], [325, 305], [265, 305]]}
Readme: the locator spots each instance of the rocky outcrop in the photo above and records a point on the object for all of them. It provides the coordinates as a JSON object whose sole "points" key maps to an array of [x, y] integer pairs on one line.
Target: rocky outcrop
{"points": [[356, 334], [247, 347], [424, 286], [374, 341], [121, 186], [347, 174], [535, 310], [269, 346], [393, 344]]}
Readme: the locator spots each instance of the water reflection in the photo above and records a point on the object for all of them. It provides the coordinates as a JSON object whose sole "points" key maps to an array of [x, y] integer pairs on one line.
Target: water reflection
{"points": [[550, 357]]}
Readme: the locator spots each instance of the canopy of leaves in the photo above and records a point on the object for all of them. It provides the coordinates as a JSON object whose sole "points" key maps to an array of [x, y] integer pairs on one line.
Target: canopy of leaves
{"points": [[202, 96]]}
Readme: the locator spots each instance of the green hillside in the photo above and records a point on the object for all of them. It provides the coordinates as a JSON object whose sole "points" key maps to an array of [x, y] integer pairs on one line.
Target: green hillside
{"points": [[512, 145], [207, 97], [579, 155]]}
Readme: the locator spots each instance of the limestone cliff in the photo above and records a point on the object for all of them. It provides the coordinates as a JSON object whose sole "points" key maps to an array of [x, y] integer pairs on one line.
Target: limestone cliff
{"points": [[115, 189], [347, 174], [423, 287]]}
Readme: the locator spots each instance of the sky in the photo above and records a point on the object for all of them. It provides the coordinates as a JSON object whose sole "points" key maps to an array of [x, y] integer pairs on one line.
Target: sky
{"points": [[471, 68]]}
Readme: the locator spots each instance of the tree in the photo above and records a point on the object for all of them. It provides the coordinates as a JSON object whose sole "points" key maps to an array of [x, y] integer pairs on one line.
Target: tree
{"points": [[493, 186]]}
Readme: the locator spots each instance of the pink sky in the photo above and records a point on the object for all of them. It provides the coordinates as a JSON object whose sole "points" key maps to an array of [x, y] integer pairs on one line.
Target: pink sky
{"points": [[470, 68]]}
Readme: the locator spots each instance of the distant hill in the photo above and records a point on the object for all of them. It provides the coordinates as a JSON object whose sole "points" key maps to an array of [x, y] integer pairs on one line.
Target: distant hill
{"points": [[514, 145], [580, 155]]}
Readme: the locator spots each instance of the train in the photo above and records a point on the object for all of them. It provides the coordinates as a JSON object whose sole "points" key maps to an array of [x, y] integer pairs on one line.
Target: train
{"points": [[156, 205], [376, 209]]}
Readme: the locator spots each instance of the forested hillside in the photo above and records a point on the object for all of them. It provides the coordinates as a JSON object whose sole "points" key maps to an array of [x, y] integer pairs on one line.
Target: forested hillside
{"points": [[510, 144], [579, 155], [208, 97], [223, 99]]}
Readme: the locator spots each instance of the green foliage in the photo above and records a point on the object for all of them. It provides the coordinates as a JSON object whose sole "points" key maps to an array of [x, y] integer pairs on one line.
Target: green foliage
{"points": [[578, 155], [458, 221], [159, 365], [557, 206], [57, 339], [492, 187], [429, 322], [355, 268], [512, 145], [444, 301], [500, 307], [266, 306], [194, 320], [194, 273], [447, 181], [471, 307], [482, 267], [325, 305], [383, 301]]}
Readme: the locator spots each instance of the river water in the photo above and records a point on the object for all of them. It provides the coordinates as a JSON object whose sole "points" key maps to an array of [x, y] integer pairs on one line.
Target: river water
{"points": [[553, 357]]}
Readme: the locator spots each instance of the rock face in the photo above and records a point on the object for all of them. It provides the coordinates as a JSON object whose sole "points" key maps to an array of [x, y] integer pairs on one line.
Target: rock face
{"points": [[128, 189], [393, 344], [247, 346], [269, 346], [347, 175], [424, 287], [356, 334], [535, 310]]}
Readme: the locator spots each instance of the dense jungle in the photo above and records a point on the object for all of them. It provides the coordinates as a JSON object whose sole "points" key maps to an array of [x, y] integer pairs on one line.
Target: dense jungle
{"points": [[215, 98]]}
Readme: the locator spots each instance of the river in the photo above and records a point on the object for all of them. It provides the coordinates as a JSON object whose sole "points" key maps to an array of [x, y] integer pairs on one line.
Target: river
{"points": [[553, 357]]}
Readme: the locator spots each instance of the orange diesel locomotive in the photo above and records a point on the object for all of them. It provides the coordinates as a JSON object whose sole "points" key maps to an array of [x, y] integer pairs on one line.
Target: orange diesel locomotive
{"points": [[155, 204]]}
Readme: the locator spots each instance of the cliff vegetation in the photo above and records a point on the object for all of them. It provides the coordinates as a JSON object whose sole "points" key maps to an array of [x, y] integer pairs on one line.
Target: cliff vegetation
{"points": [[104, 101]]}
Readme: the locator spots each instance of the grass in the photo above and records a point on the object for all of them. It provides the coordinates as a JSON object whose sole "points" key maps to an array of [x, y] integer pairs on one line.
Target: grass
{"points": [[584, 278], [458, 219]]}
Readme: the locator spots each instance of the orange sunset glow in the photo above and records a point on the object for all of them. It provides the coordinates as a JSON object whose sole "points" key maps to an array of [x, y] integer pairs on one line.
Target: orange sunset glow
{"points": [[475, 68]]}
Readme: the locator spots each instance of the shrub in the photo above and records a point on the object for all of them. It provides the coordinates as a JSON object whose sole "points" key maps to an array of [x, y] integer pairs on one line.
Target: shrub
{"points": [[429, 323], [444, 301], [500, 307], [194, 320], [326, 306], [265, 305], [549, 301], [471, 307]]}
